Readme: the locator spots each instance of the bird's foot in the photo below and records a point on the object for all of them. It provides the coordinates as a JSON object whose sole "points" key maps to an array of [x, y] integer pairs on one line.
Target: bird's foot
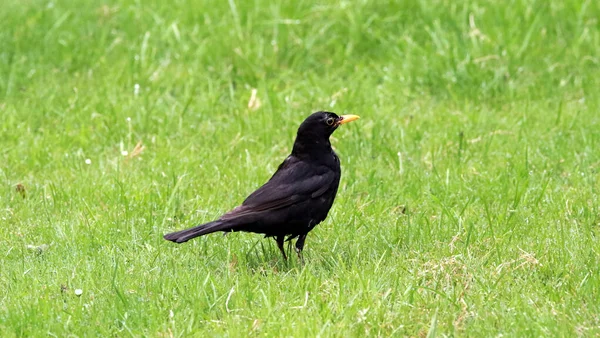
{"points": [[300, 256], [279, 241]]}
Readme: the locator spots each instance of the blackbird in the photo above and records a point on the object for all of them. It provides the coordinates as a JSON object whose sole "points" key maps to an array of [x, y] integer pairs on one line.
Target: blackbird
{"points": [[296, 198]]}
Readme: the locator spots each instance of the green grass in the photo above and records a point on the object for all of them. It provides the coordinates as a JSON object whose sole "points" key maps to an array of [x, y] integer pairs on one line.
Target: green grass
{"points": [[469, 198]]}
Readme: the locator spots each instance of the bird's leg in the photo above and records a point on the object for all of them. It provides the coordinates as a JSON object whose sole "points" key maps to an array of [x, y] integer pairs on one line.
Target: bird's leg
{"points": [[279, 240], [300, 247]]}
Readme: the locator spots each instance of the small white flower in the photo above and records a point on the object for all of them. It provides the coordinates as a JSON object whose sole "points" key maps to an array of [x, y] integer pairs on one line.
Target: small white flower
{"points": [[136, 89], [128, 119], [88, 161], [124, 153], [78, 292], [362, 315]]}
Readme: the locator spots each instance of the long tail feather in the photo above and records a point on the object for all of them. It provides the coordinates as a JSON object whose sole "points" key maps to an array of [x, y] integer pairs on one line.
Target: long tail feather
{"points": [[200, 230]]}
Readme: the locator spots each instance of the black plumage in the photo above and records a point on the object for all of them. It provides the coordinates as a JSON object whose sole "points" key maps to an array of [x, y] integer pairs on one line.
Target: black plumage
{"points": [[296, 198]]}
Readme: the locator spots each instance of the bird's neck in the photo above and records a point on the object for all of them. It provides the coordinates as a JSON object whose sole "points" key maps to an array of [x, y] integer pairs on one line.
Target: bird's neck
{"points": [[311, 147]]}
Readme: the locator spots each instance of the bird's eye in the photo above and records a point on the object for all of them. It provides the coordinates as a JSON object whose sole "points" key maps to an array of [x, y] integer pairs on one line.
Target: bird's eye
{"points": [[330, 121]]}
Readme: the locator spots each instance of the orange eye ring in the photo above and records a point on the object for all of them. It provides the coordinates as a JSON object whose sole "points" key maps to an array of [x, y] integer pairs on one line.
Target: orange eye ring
{"points": [[330, 121]]}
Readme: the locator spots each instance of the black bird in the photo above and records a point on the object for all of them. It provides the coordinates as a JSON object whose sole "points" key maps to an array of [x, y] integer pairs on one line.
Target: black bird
{"points": [[296, 198]]}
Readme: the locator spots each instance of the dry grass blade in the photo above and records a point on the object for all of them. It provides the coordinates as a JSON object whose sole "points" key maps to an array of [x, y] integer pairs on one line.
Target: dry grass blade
{"points": [[137, 150], [254, 102]]}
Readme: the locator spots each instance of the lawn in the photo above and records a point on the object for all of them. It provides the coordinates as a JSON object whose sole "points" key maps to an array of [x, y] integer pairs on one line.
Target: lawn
{"points": [[469, 199]]}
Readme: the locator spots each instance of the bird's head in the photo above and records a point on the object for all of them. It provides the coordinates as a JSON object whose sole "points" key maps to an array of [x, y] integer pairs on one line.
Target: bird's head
{"points": [[323, 123]]}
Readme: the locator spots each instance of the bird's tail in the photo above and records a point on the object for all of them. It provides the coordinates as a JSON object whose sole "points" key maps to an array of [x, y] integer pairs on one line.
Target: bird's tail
{"points": [[200, 230]]}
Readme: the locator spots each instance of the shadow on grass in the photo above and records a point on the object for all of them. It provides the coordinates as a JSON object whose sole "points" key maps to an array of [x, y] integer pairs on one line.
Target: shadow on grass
{"points": [[264, 257]]}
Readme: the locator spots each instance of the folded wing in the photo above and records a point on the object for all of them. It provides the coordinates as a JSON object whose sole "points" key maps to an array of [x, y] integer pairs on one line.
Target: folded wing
{"points": [[294, 182]]}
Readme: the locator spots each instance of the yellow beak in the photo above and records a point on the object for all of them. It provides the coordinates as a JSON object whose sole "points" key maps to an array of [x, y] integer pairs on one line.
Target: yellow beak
{"points": [[348, 118]]}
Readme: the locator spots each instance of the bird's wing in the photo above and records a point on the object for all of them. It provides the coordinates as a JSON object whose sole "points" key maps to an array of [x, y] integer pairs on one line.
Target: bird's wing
{"points": [[293, 182]]}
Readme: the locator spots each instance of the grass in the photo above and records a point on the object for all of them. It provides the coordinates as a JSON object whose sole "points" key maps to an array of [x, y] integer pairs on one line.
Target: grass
{"points": [[469, 197]]}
